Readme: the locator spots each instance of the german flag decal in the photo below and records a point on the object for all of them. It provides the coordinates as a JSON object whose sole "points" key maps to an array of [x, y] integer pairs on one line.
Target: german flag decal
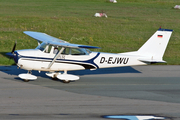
{"points": [[160, 36]]}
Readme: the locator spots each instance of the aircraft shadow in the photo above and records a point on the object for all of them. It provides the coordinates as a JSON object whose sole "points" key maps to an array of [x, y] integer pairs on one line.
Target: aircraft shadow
{"points": [[12, 70], [5, 57], [4, 54], [114, 70]]}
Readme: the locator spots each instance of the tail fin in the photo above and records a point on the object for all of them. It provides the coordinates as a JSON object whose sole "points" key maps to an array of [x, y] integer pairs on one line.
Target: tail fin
{"points": [[153, 50]]}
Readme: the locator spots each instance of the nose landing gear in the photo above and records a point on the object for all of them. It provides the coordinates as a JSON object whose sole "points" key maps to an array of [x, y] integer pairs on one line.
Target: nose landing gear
{"points": [[27, 76]]}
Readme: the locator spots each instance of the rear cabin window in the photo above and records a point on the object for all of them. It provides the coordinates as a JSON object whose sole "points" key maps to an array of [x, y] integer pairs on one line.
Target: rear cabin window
{"points": [[75, 51]]}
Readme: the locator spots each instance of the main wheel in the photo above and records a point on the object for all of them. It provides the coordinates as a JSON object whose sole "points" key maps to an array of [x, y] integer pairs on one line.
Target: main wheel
{"points": [[54, 78], [26, 80], [66, 81]]}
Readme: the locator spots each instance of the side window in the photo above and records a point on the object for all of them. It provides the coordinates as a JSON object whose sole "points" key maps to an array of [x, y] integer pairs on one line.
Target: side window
{"points": [[55, 50], [48, 49], [76, 51], [66, 51]]}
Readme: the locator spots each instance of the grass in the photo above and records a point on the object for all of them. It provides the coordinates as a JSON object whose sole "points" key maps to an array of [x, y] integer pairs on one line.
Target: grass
{"points": [[129, 24]]}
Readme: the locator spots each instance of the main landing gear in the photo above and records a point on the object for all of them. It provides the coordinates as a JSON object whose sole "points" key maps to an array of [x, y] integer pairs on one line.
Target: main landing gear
{"points": [[66, 78]]}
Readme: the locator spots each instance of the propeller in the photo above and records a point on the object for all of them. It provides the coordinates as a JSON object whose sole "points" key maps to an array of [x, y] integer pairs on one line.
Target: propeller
{"points": [[14, 47], [11, 54]]}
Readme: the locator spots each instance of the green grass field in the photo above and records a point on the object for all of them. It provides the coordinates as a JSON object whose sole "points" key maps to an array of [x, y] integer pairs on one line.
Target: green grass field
{"points": [[129, 24]]}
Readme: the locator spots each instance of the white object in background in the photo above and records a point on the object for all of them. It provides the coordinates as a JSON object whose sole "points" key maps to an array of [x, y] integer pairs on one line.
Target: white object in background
{"points": [[113, 1], [100, 15], [177, 7]]}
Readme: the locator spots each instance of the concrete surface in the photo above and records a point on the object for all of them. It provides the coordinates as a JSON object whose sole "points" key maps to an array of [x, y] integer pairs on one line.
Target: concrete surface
{"points": [[140, 90]]}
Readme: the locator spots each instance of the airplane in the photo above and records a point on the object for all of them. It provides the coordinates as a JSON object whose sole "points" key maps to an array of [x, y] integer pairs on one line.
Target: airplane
{"points": [[57, 57]]}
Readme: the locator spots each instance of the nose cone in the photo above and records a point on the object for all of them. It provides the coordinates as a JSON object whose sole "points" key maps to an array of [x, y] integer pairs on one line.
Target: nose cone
{"points": [[10, 54], [13, 55]]}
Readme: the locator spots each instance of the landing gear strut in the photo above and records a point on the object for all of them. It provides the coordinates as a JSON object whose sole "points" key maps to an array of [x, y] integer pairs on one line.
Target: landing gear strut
{"points": [[26, 80], [54, 77]]}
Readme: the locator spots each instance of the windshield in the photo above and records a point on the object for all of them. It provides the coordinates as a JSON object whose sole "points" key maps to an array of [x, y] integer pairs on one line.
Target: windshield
{"points": [[42, 46]]}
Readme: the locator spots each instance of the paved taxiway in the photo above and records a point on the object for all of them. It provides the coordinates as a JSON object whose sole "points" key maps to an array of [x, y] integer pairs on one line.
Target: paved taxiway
{"points": [[141, 90]]}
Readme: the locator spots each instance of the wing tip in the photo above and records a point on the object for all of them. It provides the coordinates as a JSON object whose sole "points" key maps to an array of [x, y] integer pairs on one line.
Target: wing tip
{"points": [[161, 29]]}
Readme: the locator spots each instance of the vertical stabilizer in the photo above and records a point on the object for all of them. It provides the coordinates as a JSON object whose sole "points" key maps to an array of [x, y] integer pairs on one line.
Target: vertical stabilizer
{"points": [[153, 50]]}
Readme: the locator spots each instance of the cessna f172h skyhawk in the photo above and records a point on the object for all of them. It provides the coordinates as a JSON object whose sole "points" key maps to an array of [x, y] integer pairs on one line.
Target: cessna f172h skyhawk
{"points": [[54, 55]]}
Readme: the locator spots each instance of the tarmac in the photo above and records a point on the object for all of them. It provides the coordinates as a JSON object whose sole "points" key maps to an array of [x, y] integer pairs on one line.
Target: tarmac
{"points": [[140, 90]]}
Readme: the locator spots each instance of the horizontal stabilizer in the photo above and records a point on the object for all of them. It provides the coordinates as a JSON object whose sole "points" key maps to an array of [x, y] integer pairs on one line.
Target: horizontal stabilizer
{"points": [[152, 61]]}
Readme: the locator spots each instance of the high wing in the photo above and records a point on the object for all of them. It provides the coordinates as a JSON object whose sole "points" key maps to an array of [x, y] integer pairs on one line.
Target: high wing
{"points": [[43, 37]]}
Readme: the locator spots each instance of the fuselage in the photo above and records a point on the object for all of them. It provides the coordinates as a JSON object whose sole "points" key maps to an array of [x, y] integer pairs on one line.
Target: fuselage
{"points": [[35, 59]]}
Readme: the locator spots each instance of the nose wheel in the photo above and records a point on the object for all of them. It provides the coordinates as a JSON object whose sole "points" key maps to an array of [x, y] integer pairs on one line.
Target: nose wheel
{"points": [[27, 76]]}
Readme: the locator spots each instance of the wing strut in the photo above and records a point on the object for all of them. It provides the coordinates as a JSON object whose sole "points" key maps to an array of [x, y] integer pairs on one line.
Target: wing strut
{"points": [[55, 58]]}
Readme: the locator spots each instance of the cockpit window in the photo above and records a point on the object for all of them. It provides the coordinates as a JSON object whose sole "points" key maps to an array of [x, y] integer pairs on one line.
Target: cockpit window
{"points": [[67, 51], [44, 47]]}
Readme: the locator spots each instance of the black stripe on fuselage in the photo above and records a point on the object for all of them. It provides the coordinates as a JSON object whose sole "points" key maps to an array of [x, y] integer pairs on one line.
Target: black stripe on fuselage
{"points": [[86, 66]]}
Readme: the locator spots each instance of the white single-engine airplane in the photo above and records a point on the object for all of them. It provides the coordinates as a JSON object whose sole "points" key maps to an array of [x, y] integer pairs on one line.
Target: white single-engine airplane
{"points": [[54, 55]]}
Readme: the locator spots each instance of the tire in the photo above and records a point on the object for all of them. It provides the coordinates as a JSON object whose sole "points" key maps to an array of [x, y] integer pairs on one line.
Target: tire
{"points": [[26, 80], [66, 81]]}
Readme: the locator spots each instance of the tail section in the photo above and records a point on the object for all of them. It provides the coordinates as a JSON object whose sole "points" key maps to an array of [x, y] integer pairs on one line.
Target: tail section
{"points": [[153, 50]]}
